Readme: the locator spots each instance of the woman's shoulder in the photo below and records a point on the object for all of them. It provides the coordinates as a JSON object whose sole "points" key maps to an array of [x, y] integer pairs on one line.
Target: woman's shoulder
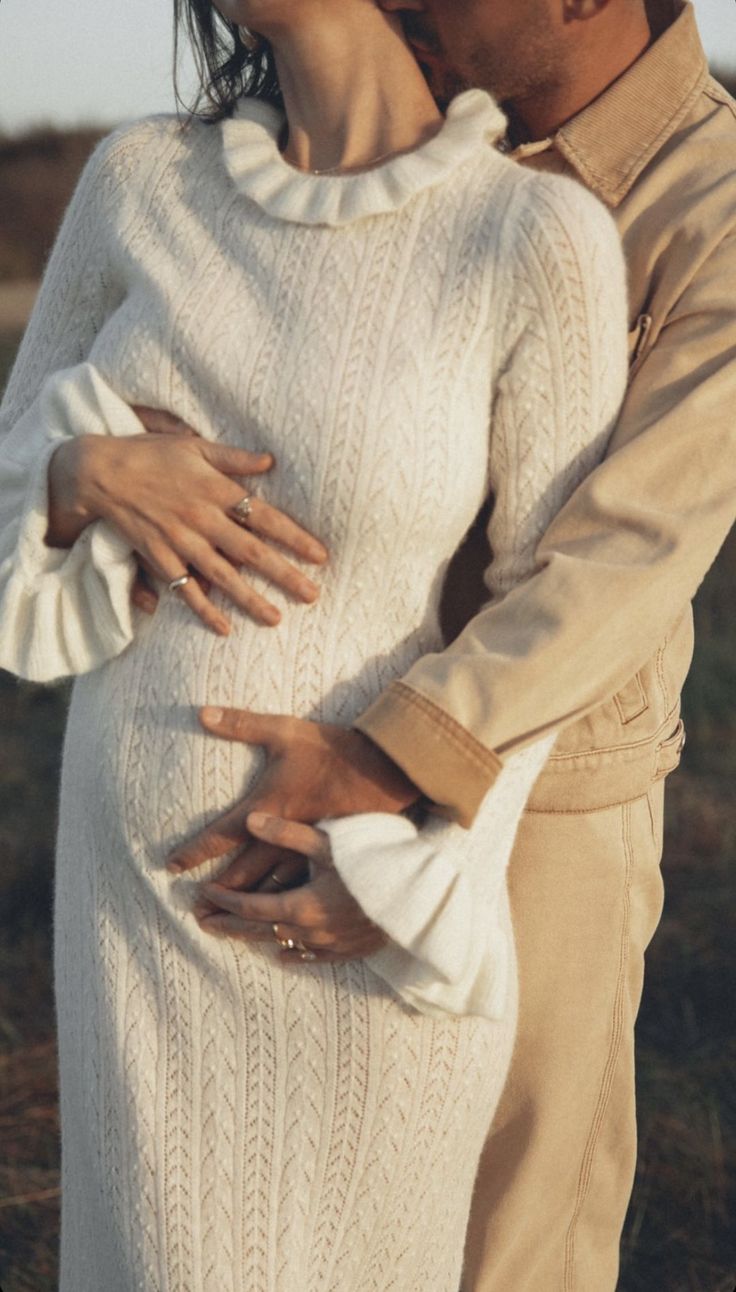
{"points": [[138, 140], [128, 166], [554, 220]]}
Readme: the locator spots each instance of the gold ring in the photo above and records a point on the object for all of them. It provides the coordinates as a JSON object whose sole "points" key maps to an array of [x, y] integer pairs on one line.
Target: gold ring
{"points": [[287, 943], [305, 953]]}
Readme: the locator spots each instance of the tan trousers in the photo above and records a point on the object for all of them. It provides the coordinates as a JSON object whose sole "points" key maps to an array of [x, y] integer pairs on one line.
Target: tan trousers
{"points": [[557, 1170]]}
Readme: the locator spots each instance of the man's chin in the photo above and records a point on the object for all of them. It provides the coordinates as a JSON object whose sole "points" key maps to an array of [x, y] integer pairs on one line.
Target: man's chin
{"points": [[443, 81]]}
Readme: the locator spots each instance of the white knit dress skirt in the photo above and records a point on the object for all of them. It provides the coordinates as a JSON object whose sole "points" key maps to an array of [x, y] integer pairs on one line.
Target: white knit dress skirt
{"points": [[231, 1123]]}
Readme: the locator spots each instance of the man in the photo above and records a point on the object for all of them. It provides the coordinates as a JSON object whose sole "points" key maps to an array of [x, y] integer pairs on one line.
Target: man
{"points": [[596, 645]]}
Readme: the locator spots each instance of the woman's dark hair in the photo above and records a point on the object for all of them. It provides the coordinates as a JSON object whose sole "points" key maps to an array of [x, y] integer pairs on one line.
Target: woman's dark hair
{"points": [[226, 68]]}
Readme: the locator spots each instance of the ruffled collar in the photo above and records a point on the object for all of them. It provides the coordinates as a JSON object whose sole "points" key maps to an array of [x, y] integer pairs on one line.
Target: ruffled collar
{"points": [[257, 168]]}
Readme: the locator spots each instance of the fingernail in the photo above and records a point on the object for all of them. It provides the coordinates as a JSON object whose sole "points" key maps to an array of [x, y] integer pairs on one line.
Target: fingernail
{"points": [[223, 628], [309, 592], [174, 867], [211, 715], [257, 820], [272, 616], [318, 553]]}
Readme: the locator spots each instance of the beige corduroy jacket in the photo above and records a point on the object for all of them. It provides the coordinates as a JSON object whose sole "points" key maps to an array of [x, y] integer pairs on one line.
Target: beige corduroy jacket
{"points": [[598, 642]]}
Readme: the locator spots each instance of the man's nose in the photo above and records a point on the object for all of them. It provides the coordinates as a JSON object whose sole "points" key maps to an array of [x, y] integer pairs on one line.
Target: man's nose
{"points": [[396, 6]]}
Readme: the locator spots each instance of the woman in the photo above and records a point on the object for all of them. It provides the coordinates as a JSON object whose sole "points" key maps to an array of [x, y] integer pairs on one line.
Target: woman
{"points": [[370, 289]]}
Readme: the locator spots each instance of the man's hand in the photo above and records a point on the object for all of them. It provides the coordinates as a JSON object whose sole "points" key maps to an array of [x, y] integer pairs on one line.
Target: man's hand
{"points": [[321, 915], [313, 770]]}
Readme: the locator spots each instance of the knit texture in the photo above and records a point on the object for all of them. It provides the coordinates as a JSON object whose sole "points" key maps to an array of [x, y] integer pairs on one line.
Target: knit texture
{"points": [[229, 1123]]}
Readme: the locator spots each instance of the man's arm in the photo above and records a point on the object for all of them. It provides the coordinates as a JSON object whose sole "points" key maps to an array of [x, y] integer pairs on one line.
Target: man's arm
{"points": [[616, 567]]}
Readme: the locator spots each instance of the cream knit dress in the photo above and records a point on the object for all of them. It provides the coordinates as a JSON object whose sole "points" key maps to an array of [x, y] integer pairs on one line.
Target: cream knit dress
{"points": [[403, 340]]}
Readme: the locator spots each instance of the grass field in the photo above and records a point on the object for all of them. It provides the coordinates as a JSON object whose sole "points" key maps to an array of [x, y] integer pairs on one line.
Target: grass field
{"points": [[680, 1234]]}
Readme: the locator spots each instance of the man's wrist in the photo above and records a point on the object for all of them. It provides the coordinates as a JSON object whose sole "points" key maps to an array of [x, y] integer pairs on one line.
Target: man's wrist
{"points": [[393, 782]]}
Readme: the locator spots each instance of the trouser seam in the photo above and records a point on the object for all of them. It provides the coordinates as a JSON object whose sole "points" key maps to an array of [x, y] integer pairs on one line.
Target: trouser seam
{"points": [[586, 1166]]}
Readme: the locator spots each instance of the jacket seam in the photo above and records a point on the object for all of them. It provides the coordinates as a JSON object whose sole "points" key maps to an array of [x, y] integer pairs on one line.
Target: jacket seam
{"points": [[645, 741], [459, 736]]}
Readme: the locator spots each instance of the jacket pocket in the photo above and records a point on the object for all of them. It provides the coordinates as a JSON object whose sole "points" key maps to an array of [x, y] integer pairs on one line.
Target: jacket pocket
{"points": [[631, 701]]}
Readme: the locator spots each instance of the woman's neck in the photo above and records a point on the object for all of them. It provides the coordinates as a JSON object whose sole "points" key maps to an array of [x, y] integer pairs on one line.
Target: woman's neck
{"points": [[353, 92]]}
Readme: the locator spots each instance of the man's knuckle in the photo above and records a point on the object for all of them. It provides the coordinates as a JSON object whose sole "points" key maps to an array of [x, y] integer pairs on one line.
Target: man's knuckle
{"points": [[312, 913], [323, 938], [250, 550]]}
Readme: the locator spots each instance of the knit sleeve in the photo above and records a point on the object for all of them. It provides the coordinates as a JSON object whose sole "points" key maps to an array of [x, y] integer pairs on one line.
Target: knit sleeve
{"points": [[438, 891], [65, 611]]}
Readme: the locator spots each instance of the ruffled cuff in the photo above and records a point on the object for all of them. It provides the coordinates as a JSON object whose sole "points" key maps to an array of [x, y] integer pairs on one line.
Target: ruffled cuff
{"points": [[63, 611], [449, 950]]}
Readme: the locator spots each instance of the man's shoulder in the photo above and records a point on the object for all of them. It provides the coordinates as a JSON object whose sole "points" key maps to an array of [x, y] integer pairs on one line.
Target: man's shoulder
{"points": [[723, 99], [704, 144]]}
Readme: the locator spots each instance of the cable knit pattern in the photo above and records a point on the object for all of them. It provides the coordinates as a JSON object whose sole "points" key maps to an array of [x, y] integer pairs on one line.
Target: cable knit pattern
{"points": [[402, 341]]}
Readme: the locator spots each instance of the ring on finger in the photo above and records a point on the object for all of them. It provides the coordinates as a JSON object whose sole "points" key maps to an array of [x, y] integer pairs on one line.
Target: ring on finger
{"points": [[180, 582], [287, 943], [305, 952], [281, 882], [241, 511]]}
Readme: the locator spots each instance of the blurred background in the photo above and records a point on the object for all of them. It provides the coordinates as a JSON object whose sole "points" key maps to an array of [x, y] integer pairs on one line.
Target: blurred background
{"points": [[68, 74]]}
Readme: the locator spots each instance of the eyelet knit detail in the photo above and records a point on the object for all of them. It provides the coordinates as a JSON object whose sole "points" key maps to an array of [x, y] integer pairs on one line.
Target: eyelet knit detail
{"points": [[258, 169]]}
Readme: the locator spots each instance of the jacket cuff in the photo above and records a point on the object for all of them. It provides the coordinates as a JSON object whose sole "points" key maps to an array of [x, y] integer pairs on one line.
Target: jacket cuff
{"points": [[443, 759]]}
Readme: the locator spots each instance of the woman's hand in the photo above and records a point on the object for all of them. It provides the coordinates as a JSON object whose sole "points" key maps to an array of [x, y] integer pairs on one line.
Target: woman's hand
{"points": [[321, 914], [170, 493]]}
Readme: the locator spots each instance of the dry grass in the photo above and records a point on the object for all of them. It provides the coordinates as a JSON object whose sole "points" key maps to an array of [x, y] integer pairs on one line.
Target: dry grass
{"points": [[38, 171], [29, 1119]]}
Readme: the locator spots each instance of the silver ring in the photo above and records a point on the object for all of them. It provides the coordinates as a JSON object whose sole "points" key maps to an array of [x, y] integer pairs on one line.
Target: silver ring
{"points": [[241, 511], [272, 875], [180, 582]]}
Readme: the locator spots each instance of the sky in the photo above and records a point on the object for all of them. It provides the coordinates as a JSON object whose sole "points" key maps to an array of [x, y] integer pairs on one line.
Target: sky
{"points": [[99, 61]]}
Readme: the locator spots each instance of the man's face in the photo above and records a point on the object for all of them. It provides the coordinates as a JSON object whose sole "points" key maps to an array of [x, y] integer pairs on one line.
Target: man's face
{"points": [[511, 47]]}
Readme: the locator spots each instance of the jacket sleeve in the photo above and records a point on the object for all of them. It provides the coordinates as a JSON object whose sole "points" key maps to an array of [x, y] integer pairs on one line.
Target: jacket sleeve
{"points": [[438, 891], [63, 611], [615, 568]]}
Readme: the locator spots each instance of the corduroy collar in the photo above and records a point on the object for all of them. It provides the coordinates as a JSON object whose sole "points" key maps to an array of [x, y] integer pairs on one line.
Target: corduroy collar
{"points": [[610, 142]]}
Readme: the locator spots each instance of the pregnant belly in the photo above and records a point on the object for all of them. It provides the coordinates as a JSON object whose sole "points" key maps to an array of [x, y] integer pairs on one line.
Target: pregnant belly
{"points": [[136, 760]]}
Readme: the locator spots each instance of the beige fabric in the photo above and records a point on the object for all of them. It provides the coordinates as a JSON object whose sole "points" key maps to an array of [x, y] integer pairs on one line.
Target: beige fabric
{"points": [[556, 1172], [608, 614]]}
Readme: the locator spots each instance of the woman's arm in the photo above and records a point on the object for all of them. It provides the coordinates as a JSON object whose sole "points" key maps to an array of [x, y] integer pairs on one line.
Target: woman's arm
{"points": [[437, 891], [76, 503], [79, 291]]}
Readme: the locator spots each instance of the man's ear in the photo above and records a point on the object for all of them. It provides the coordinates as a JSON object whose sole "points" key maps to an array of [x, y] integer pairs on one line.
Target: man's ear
{"points": [[580, 10]]}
